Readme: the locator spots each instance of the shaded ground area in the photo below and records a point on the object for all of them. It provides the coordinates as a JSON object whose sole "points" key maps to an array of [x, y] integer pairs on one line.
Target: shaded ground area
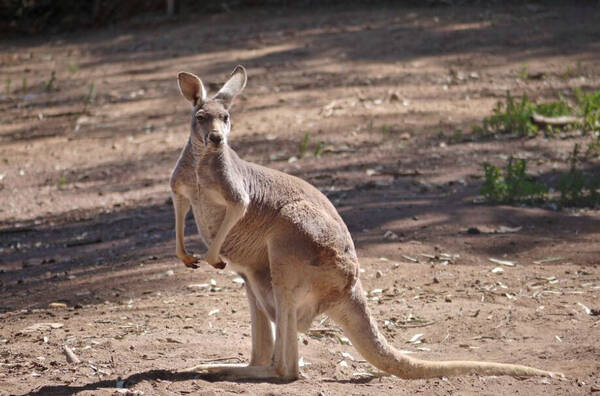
{"points": [[389, 95]]}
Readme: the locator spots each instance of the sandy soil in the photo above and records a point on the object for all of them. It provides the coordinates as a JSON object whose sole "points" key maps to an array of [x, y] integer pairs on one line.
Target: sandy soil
{"points": [[392, 94]]}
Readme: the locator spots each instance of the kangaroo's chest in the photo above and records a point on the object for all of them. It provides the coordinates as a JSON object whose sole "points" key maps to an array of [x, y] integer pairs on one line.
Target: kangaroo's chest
{"points": [[208, 214]]}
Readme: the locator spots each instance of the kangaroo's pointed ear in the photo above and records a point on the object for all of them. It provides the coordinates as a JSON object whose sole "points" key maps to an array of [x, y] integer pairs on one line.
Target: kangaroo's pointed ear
{"points": [[233, 86], [191, 87]]}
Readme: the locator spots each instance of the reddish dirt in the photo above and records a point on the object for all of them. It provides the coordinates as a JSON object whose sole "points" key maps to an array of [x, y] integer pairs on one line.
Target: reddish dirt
{"points": [[86, 218]]}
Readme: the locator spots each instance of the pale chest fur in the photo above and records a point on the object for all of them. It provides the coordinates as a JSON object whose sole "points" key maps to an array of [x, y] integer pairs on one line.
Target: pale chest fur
{"points": [[208, 214]]}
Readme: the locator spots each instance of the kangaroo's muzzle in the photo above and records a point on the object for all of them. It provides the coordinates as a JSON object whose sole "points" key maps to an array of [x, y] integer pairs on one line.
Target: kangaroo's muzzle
{"points": [[215, 138]]}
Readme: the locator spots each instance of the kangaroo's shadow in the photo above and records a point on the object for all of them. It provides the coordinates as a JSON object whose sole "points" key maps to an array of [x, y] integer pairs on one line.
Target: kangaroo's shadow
{"points": [[165, 375]]}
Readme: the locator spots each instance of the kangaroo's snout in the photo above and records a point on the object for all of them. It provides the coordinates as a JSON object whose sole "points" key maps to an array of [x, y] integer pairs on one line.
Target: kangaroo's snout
{"points": [[215, 138]]}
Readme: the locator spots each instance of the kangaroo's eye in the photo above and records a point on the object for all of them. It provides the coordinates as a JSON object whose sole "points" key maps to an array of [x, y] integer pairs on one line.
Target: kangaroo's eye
{"points": [[226, 118], [200, 116]]}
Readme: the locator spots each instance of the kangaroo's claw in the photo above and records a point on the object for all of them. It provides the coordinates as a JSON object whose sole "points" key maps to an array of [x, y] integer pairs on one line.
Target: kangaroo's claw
{"points": [[218, 263], [189, 260]]}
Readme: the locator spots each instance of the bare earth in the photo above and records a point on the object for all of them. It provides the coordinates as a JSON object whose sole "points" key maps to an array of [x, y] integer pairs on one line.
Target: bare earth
{"points": [[86, 219]]}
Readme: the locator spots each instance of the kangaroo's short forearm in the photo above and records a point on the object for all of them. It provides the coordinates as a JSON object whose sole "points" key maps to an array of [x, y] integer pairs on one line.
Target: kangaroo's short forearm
{"points": [[181, 206]]}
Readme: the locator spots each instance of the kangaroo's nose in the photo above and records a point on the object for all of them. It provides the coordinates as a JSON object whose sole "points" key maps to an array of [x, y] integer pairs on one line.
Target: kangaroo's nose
{"points": [[215, 138]]}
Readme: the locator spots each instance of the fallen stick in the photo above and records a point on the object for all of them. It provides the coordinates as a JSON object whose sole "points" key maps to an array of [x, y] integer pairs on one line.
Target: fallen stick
{"points": [[222, 359], [414, 326], [555, 121], [324, 330]]}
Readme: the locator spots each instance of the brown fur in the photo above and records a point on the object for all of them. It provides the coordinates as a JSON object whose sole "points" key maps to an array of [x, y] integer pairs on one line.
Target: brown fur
{"points": [[290, 245]]}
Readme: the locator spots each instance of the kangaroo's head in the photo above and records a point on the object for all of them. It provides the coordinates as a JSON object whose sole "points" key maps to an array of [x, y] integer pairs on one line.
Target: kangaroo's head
{"points": [[210, 117]]}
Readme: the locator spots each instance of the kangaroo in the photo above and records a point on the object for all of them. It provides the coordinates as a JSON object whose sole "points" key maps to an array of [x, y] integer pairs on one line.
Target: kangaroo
{"points": [[289, 244]]}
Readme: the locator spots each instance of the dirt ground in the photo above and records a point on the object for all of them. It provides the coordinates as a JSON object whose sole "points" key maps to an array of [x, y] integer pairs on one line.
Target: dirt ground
{"points": [[392, 93]]}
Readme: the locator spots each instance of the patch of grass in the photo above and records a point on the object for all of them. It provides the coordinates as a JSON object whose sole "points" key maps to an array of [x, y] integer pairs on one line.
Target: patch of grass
{"points": [[384, 129], [457, 136], [24, 85], [554, 109], [303, 147], [512, 116], [588, 104], [574, 71], [576, 187], [50, 84], [73, 68], [511, 184], [523, 73], [593, 149], [89, 98], [62, 182], [319, 149]]}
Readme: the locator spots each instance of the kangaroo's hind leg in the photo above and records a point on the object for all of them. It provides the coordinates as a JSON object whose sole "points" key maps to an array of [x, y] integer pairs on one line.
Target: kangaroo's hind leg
{"points": [[262, 332], [283, 364]]}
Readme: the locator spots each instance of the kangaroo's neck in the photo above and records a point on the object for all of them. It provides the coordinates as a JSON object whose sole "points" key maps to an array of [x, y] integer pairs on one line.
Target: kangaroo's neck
{"points": [[219, 159]]}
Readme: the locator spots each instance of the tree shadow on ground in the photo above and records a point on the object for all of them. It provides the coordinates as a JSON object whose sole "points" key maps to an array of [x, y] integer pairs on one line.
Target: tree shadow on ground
{"points": [[100, 251]]}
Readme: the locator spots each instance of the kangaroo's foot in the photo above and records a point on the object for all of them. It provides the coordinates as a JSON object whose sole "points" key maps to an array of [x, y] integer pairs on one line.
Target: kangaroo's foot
{"points": [[238, 371], [215, 261], [189, 260]]}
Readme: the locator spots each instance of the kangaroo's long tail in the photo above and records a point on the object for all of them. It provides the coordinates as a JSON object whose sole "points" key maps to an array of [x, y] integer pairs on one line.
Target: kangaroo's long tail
{"points": [[353, 316]]}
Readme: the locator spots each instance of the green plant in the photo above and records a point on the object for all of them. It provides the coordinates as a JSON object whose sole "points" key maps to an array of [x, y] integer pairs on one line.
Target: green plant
{"points": [[515, 116], [554, 109], [512, 116], [384, 129], [89, 97], [574, 71], [24, 85], [512, 185], [576, 187], [73, 68], [593, 149], [589, 108], [319, 149], [62, 182], [523, 73], [457, 136], [49, 86], [303, 147]]}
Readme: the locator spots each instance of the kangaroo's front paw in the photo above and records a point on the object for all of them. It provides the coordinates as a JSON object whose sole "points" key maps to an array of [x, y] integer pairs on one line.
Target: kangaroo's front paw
{"points": [[189, 260], [219, 262]]}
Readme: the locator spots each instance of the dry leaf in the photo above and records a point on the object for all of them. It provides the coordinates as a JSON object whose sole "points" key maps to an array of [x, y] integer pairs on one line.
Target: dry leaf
{"points": [[502, 262], [71, 357], [585, 308], [347, 355], [504, 229], [416, 339], [41, 327], [198, 286]]}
